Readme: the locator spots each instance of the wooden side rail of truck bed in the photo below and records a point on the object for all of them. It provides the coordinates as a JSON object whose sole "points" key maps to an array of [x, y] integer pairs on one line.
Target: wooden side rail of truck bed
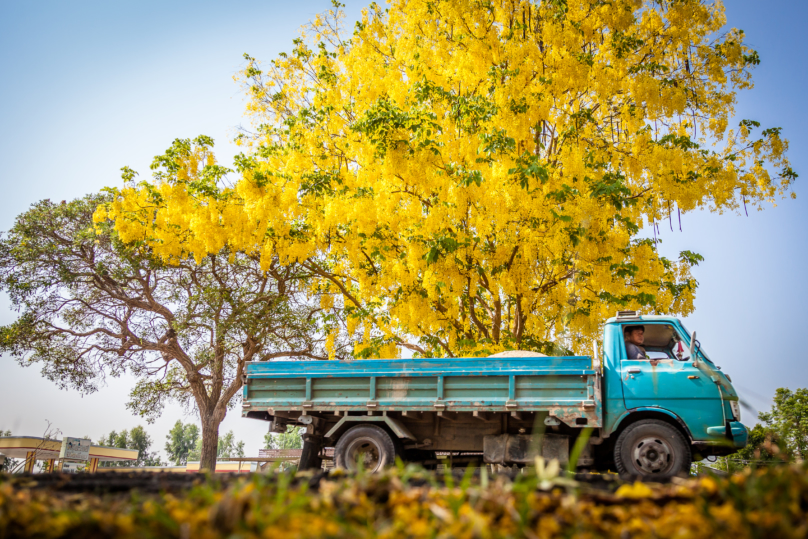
{"points": [[567, 388]]}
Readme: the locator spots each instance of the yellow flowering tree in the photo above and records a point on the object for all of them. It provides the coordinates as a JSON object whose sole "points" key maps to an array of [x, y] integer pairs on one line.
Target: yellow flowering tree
{"points": [[462, 177]]}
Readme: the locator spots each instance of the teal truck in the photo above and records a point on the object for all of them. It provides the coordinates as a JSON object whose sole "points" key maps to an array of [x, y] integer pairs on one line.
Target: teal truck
{"points": [[646, 418]]}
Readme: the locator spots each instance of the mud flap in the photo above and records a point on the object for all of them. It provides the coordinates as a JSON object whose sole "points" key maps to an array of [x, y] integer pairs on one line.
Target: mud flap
{"points": [[310, 457]]}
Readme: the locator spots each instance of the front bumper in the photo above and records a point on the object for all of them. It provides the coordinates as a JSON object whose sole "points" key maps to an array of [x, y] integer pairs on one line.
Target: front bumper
{"points": [[738, 431]]}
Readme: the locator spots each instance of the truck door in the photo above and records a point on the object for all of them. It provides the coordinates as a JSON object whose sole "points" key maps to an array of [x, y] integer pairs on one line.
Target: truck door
{"points": [[668, 380]]}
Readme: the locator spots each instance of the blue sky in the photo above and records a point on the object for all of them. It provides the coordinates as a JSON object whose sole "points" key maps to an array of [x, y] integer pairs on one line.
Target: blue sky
{"points": [[87, 87]]}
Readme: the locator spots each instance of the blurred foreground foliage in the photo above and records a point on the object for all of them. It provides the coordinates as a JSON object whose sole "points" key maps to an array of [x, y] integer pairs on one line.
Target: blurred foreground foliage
{"points": [[408, 502]]}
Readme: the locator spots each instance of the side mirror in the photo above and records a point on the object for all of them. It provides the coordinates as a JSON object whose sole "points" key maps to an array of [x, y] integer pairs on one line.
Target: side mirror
{"points": [[693, 350]]}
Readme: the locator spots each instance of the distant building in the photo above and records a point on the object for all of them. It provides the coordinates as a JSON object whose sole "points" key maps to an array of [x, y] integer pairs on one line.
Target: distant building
{"points": [[32, 449]]}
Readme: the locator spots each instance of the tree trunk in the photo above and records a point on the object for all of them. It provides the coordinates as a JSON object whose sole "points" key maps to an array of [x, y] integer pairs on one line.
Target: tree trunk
{"points": [[210, 443]]}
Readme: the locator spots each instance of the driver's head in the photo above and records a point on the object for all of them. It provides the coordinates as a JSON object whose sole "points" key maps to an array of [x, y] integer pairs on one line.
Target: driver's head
{"points": [[634, 334]]}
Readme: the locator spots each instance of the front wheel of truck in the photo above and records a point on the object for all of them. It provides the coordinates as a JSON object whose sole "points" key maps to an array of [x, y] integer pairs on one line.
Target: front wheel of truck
{"points": [[366, 446], [651, 450]]}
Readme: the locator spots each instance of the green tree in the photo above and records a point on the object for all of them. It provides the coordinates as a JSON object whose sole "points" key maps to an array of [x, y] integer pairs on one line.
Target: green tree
{"points": [[788, 421], [181, 440], [134, 439], [92, 306], [763, 446], [228, 447], [114, 439], [142, 442], [291, 439]]}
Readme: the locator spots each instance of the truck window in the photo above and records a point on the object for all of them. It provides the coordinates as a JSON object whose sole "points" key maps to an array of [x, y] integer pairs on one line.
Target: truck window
{"points": [[680, 350], [659, 341], [686, 351]]}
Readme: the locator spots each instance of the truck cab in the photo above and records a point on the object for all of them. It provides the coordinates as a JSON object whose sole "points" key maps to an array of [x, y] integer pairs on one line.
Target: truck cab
{"points": [[677, 384]]}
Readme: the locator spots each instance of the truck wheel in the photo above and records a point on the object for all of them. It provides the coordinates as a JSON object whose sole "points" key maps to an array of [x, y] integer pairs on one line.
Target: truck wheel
{"points": [[651, 449], [367, 446]]}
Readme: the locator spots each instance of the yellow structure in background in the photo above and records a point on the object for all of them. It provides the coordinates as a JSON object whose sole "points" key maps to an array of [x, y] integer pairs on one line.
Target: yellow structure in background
{"points": [[33, 449], [240, 466], [224, 467], [267, 459], [148, 469]]}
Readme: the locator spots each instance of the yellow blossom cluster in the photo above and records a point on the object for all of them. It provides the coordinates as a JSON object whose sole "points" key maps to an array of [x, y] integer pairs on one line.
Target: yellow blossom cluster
{"points": [[466, 177]]}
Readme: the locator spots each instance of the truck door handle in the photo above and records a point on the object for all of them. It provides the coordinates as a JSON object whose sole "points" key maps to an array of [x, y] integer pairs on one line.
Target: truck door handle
{"points": [[692, 377], [634, 370]]}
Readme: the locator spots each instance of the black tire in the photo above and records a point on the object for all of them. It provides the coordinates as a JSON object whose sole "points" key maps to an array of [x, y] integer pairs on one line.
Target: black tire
{"points": [[368, 443], [651, 450]]}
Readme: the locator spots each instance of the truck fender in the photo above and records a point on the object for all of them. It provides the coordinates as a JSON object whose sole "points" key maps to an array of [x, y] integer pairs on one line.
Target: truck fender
{"points": [[395, 425], [646, 409]]}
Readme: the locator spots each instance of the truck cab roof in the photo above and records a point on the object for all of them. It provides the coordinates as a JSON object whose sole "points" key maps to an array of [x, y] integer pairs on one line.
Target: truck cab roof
{"points": [[639, 318]]}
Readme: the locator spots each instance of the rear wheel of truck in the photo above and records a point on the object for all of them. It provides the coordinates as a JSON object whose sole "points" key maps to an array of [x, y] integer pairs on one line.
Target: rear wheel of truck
{"points": [[366, 446], [651, 450]]}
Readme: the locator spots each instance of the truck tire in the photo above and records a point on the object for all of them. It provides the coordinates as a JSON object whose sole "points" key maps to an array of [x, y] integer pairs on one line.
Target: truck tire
{"points": [[368, 444], [651, 450]]}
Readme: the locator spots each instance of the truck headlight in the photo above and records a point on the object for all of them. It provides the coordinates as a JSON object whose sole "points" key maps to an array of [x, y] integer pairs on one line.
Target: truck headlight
{"points": [[736, 409]]}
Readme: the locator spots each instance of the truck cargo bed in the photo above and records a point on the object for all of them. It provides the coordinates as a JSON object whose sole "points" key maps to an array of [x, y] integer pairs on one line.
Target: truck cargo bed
{"points": [[564, 386]]}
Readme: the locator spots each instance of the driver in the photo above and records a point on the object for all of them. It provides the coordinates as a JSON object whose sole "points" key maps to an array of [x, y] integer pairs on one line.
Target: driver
{"points": [[635, 337]]}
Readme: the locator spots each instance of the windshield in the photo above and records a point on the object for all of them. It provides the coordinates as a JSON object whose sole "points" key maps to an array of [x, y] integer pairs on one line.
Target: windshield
{"points": [[702, 352]]}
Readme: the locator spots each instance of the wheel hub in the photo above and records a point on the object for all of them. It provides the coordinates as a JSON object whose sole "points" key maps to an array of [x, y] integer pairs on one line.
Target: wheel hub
{"points": [[653, 455], [364, 452]]}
